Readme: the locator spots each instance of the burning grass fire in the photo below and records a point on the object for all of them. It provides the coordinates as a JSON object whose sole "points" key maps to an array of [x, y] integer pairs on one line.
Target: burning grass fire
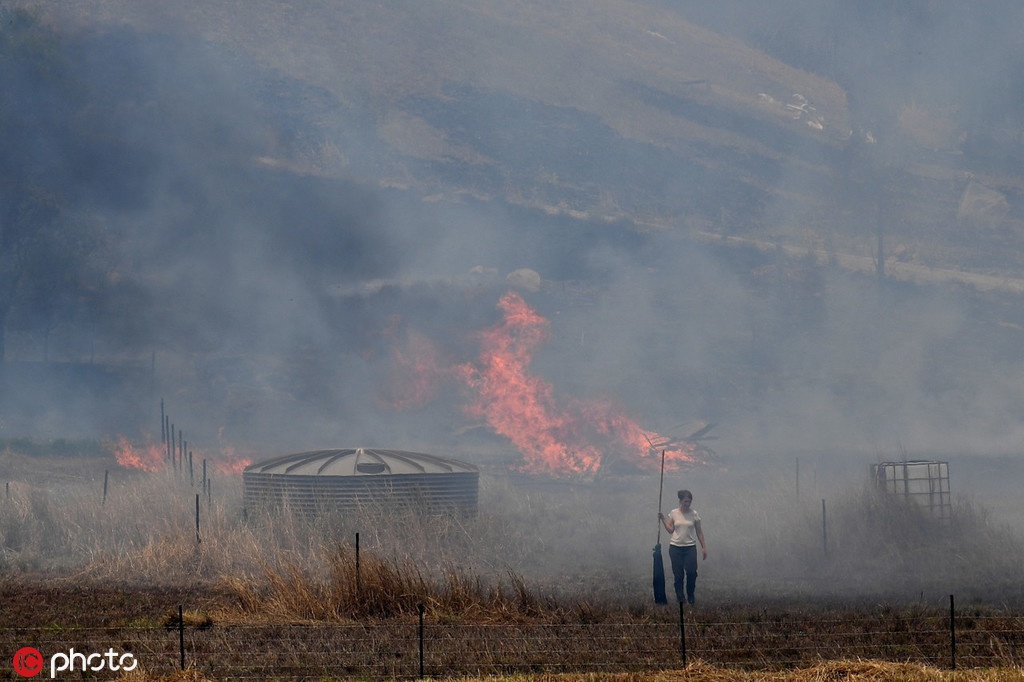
{"points": [[149, 457], [153, 457], [556, 436]]}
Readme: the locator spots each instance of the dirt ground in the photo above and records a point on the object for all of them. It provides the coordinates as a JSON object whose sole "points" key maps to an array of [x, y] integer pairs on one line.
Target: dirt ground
{"points": [[32, 603]]}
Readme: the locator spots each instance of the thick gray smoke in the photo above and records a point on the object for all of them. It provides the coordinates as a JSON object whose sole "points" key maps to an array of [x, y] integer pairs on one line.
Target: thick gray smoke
{"points": [[279, 228]]}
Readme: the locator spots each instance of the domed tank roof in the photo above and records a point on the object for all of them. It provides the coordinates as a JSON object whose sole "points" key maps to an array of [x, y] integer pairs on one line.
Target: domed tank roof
{"points": [[359, 462], [356, 479]]}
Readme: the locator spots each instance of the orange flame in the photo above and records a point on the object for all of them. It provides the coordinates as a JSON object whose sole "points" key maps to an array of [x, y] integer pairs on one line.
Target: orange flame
{"points": [[148, 457], [576, 439], [229, 462], [152, 457]]}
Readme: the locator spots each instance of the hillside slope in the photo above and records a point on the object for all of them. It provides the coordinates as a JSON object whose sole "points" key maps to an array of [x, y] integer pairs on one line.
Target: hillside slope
{"points": [[610, 110], [614, 109]]}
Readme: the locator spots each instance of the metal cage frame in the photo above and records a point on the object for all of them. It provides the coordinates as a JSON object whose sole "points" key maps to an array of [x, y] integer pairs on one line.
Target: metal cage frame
{"points": [[924, 482]]}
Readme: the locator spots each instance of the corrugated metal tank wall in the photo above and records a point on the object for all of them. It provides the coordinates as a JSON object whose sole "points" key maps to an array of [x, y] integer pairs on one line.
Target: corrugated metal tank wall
{"points": [[362, 479]]}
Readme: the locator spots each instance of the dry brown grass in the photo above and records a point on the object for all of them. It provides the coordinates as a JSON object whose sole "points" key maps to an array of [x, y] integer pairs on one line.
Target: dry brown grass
{"points": [[140, 675], [377, 588], [825, 672], [545, 577], [530, 547]]}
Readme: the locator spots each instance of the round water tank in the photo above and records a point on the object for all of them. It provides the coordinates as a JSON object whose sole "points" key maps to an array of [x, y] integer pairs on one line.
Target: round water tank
{"points": [[367, 479]]}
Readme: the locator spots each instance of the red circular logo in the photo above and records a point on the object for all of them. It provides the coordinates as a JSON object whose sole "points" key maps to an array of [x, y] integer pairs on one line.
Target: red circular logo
{"points": [[28, 662]]}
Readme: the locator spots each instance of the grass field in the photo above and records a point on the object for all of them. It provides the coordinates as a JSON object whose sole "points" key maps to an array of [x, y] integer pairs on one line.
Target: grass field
{"points": [[841, 670], [549, 577]]}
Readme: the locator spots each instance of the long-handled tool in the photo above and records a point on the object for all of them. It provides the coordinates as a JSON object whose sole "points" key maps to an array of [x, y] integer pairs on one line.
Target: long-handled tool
{"points": [[659, 563]]}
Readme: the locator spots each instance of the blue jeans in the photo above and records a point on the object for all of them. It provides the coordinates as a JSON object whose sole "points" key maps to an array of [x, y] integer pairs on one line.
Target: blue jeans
{"points": [[684, 561]]}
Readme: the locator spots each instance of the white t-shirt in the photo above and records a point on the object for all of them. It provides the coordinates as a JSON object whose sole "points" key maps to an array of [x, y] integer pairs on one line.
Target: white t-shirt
{"points": [[685, 533]]}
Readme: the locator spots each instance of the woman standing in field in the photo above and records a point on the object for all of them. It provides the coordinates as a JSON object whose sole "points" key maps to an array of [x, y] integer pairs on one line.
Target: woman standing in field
{"points": [[684, 524]]}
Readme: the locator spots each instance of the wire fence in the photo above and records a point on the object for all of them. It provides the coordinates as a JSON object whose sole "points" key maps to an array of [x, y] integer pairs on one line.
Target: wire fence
{"points": [[428, 648]]}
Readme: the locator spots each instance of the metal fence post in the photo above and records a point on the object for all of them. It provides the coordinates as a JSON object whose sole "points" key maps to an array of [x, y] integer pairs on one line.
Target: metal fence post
{"points": [[824, 530], [952, 635], [181, 636], [682, 635], [420, 607]]}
